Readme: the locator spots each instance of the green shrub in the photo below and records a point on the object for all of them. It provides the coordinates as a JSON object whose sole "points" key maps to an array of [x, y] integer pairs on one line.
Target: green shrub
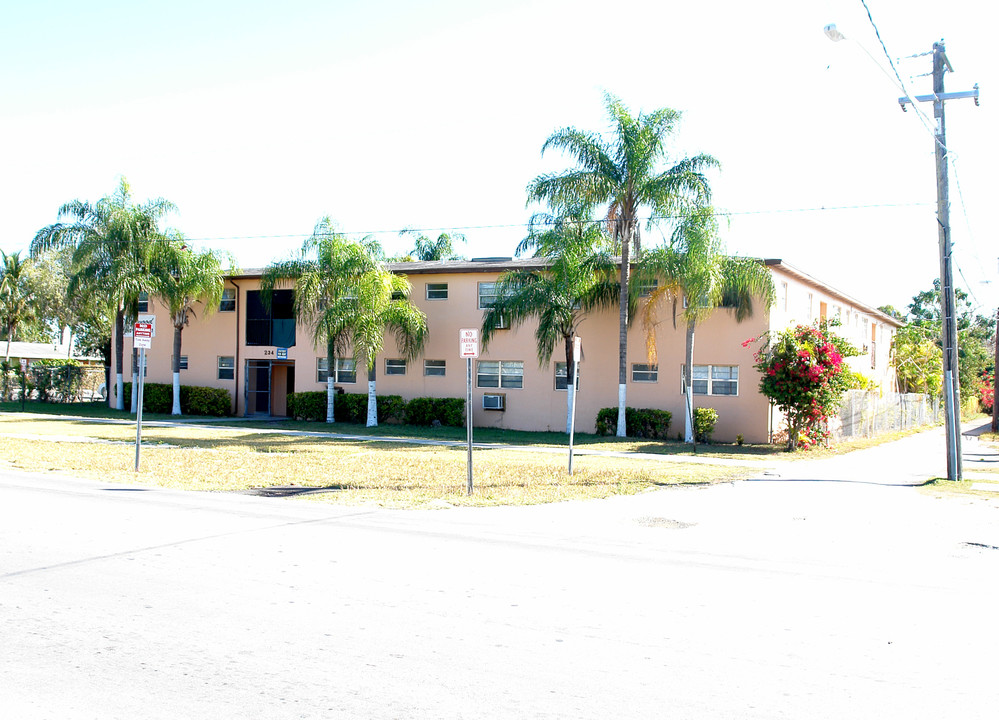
{"points": [[57, 379], [704, 424], [448, 411], [639, 422], [194, 400], [347, 407]]}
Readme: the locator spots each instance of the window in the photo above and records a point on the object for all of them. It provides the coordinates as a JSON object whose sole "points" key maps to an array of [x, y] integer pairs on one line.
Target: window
{"points": [[644, 373], [346, 370], [561, 381], [183, 362], [487, 295], [500, 374], [395, 366], [436, 291], [809, 308], [143, 302], [782, 300], [228, 302], [227, 367], [398, 295], [714, 380], [434, 368], [274, 326], [645, 289]]}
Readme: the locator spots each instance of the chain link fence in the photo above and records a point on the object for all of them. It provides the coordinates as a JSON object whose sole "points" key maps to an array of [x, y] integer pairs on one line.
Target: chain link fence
{"points": [[866, 414]]}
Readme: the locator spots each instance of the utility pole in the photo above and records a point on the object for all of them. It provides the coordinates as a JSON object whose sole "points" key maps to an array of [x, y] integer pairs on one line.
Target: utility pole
{"points": [[995, 371], [952, 387]]}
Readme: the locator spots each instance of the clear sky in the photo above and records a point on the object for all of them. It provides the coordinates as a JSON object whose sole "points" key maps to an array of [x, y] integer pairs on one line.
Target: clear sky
{"points": [[258, 118]]}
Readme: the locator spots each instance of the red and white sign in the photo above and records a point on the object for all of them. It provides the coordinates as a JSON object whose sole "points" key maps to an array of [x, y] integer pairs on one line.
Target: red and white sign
{"points": [[143, 335], [468, 342]]}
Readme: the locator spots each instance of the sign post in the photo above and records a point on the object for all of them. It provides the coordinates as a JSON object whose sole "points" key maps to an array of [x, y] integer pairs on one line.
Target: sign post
{"points": [[468, 346], [142, 339], [576, 353]]}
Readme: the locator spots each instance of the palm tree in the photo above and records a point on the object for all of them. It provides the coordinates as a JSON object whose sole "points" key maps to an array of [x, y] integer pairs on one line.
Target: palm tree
{"points": [[624, 174], [15, 305], [428, 250], [695, 268], [577, 280], [112, 241], [349, 300], [182, 278]]}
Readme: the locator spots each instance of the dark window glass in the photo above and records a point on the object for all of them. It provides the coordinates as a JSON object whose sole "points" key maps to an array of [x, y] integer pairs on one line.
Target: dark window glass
{"points": [[274, 327]]}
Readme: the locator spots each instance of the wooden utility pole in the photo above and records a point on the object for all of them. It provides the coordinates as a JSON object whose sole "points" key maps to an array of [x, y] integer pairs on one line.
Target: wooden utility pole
{"points": [[948, 314], [995, 372]]}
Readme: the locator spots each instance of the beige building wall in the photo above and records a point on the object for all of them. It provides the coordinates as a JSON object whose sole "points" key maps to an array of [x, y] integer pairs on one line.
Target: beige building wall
{"points": [[537, 405]]}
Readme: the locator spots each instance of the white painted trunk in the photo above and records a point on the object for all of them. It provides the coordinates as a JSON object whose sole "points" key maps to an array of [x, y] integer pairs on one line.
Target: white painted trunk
{"points": [[688, 425], [622, 400], [330, 399], [119, 389], [372, 405], [135, 391], [570, 400], [176, 394]]}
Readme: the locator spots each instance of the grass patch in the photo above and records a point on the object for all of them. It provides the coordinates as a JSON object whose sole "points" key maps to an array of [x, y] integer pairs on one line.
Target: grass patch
{"points": [[942, 487], [359, 472]]}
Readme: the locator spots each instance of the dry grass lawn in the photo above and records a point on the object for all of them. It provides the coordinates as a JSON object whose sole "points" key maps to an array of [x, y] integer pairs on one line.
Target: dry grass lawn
{"points": [[361, 472]]}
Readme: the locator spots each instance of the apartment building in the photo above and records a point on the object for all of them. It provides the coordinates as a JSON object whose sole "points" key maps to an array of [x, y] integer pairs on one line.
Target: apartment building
{"points": [[261, 354]]}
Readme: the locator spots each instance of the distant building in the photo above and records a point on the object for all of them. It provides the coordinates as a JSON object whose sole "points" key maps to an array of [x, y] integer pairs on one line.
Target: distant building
{"points": [[261, 355]]}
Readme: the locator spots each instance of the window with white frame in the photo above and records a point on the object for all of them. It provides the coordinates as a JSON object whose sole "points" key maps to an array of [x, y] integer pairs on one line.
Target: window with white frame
{"points": [[227, 367], [810, 308], [500, 374], [228, 301], [345, 371], [434, 368], [183, 362], [395, 366], [644, 373], [143, 305], [714, 379], [561, 378], [647, 288], [436, 291], [783, 297], [488, 294]]}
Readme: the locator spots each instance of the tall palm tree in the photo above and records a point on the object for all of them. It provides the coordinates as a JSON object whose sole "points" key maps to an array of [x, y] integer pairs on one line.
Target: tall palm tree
{"points": [[112, 241], [426, 249], [577, 280], [15, 301], [694, 269], [349, 300], [183, 278], [624, 173]]}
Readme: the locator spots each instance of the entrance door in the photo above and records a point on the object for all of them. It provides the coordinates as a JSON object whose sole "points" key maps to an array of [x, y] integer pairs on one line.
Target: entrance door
{"points": [[258, 387]]}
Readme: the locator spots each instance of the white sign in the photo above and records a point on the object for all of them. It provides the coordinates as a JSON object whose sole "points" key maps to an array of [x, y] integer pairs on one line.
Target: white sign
{"points": [[468, 342], [577, 348], [151, 319], [143, 335]]}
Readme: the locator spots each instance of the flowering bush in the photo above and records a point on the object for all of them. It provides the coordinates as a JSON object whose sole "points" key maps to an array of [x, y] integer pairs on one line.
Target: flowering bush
{"points": [[987, 391], [804, 375]]}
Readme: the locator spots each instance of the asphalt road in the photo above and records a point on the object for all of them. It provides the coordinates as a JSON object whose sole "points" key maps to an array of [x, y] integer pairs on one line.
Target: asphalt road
{"points": [[845, 597]]}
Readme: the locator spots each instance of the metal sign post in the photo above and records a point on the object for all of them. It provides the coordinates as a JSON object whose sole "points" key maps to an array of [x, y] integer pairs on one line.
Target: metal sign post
{"points": [[468, 347], [576, 352], [142, 339]]}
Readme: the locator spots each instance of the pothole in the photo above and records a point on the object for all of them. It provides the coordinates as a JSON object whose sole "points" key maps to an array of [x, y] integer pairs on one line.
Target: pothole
{"points": [[662, 522]]}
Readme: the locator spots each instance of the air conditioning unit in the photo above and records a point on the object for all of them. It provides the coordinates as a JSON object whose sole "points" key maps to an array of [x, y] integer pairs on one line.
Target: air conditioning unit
{"points": [[494, 402]]}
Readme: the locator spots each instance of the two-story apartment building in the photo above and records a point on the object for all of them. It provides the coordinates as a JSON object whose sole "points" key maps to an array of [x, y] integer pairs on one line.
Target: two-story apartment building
{"points": [[262, 354]]}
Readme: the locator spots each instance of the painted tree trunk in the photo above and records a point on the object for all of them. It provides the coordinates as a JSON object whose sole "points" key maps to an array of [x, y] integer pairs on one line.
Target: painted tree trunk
{"points": [[622, 361], [177, 331], [135, 378], [372, 399], [570, 394], [330, 397], [689, 434], [119, 356]]}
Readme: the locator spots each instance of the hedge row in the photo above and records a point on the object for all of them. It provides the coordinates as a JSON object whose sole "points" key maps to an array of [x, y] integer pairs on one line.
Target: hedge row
{"points": [[638, 422], [194, 399], [353, 408]]}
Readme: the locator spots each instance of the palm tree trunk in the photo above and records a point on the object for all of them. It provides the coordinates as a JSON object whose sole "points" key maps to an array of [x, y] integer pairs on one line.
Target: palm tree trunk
{"points": [[570, 386], [119, 353], [330, 381], [372, 397], [135, 378], [689, 434], [622, 360], [7, 356], [177, 330]]}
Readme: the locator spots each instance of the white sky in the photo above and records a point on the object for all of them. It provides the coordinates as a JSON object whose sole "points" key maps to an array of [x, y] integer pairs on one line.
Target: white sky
{"points": [[258, 118]]}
